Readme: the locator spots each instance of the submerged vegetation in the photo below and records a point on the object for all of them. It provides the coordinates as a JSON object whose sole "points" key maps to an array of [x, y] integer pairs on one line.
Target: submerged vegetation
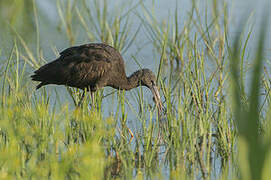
{"points": [[216, 94]]}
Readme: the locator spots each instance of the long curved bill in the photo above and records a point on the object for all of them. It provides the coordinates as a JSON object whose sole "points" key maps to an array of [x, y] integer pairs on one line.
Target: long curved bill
{"points": [[157, 99]]}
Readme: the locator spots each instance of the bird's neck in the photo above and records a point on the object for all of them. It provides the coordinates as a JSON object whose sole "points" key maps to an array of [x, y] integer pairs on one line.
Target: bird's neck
{"points": [[132, 82], [129, 83]]}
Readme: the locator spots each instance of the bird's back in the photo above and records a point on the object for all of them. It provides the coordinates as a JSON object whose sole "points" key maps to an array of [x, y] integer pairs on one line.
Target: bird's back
{"points": [[86, 66]]}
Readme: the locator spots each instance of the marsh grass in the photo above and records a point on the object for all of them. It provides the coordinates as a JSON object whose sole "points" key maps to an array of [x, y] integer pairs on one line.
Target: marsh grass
{"points": [[212, 126]]}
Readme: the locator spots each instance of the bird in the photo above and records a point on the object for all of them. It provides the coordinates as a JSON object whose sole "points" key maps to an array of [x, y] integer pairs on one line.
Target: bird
{"points": [[93, 66]]}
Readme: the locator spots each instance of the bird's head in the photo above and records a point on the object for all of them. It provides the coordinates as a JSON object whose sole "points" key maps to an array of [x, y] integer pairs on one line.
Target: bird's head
{"points": [[148, 79]]}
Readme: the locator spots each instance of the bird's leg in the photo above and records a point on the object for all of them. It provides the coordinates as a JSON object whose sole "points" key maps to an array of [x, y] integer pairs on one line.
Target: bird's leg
{"points": [[81, 99]]}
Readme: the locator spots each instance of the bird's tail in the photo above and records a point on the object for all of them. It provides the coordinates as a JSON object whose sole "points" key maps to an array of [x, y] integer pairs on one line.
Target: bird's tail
{"points": [[40, 85], [37, 77]]}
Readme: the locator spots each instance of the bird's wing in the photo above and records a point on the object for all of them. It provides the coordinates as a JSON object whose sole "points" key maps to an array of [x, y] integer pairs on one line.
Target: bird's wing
{"points": [[79, 66], [87, 66]]}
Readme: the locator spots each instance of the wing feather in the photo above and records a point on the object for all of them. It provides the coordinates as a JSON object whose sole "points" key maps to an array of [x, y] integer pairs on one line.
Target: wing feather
{"points": [[88, 69], [79, 66]]}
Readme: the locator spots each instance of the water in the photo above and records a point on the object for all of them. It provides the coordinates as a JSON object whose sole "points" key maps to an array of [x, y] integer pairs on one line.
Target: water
{"points": [[52, 36]]}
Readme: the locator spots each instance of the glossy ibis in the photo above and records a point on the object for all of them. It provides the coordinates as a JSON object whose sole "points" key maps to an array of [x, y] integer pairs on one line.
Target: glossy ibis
{"points": [[93, 66]]}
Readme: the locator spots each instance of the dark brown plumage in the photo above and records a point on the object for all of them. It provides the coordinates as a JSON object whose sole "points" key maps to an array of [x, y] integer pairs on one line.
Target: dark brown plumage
{"points": [[94, 66]]}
